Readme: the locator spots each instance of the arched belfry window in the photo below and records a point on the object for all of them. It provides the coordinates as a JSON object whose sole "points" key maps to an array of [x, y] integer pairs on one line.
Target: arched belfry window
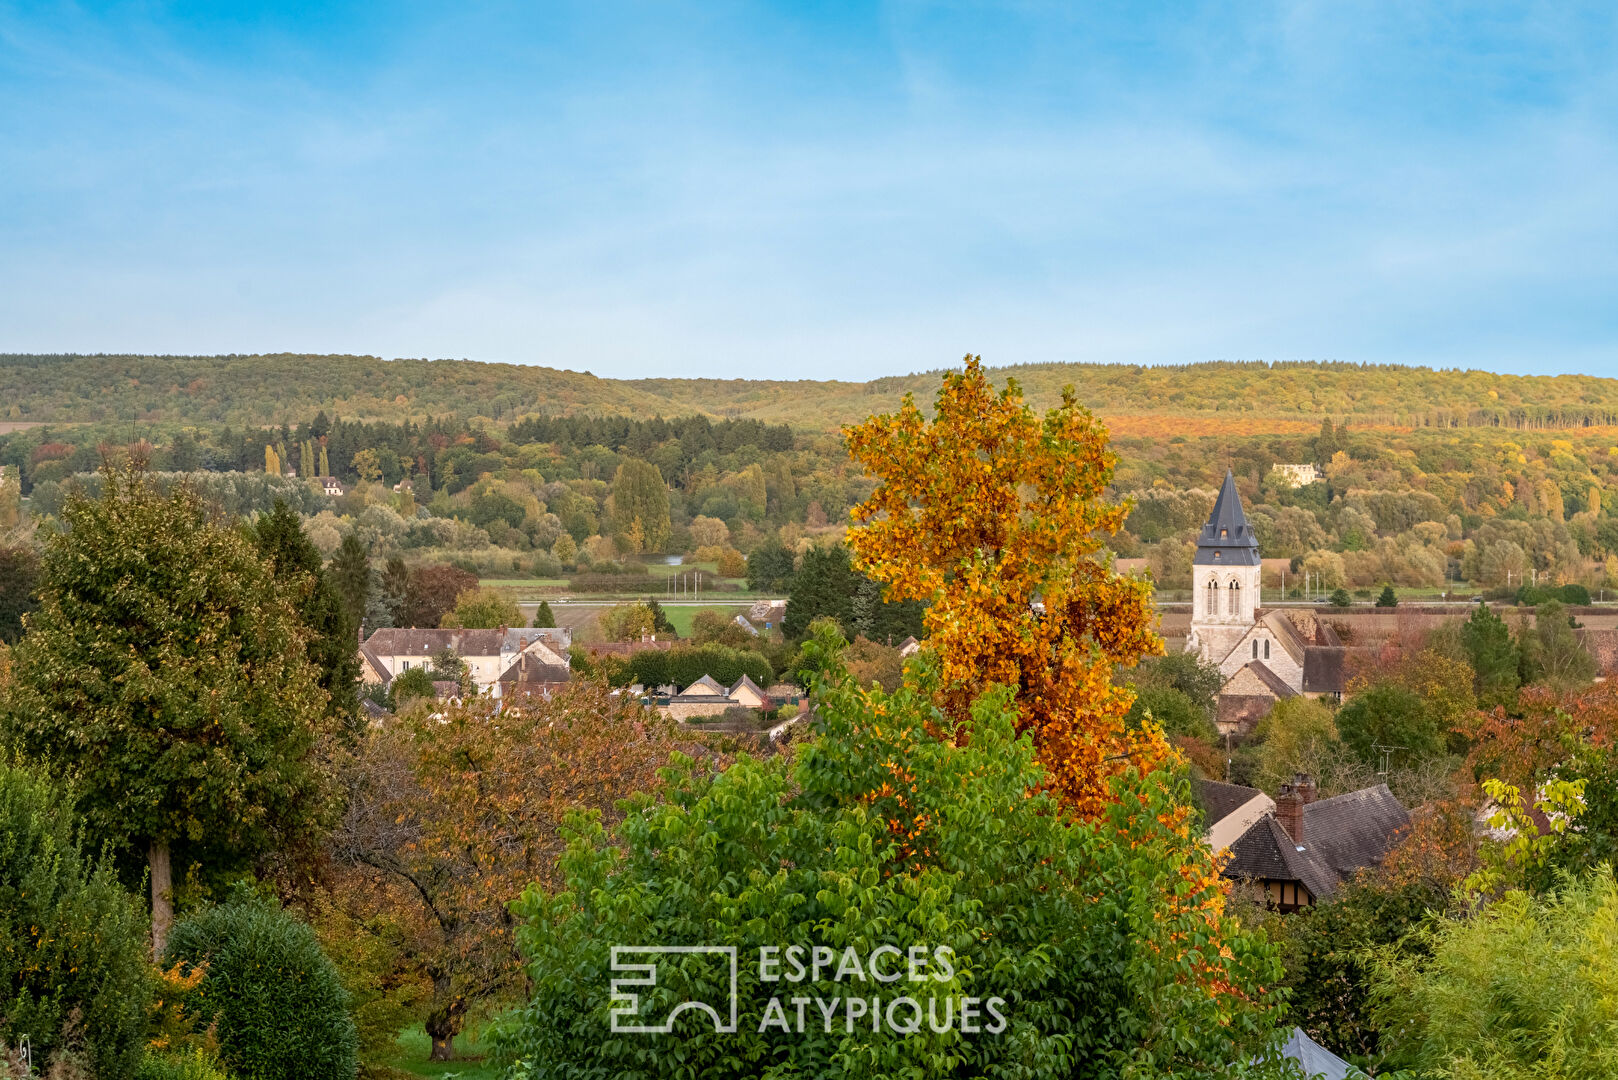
{"points": [[1235, 599], [1211, 606]]}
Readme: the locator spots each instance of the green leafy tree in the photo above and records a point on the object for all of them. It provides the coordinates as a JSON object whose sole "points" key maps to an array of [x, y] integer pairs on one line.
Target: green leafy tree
{"points": [[1171, 710], [73, 972], [543, 616], [350, 574], [412, 685], [1386, 714], [1298, 735], [1493, 655], [1064, 925], [19, 589], [483, 609], [169, 676], [824, 586], [640, 507], [333, 644]]}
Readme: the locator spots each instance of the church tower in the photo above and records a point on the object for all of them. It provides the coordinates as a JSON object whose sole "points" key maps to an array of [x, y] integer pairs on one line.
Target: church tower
{"points": [[1224, 578]]}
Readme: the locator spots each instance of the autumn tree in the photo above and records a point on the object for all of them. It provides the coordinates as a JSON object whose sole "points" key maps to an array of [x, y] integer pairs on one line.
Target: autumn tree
{"points": [[451, 816], [298, 573], [640, 507], [430, 593], [996, 518], [169, 678]]}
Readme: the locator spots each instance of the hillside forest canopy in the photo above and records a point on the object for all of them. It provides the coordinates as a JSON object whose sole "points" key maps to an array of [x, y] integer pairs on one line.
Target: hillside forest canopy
{"points": [[1428, 480]]}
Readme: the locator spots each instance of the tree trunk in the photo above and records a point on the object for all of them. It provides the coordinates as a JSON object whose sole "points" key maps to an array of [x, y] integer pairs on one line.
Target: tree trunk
{"points": [[443, 1024], [157, 858]]}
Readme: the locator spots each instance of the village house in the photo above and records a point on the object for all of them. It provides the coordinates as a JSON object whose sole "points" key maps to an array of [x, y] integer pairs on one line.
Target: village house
{"points": [[1293, 851], [530, 657], [331, 486], [706, 697]]}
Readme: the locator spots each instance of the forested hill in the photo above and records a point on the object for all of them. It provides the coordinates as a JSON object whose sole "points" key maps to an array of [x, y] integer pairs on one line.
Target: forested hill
{"points": [[285, 387]]}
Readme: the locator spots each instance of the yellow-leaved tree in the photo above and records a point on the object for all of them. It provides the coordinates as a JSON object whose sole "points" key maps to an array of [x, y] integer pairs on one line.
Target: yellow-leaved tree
{"points": [[996, 516]]}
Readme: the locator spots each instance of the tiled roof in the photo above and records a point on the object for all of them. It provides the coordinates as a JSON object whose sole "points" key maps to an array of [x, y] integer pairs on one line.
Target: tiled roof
{"points": [[1341, 835], [1266, 853], [528, 667], [399, 641], [1270, 679], [1286, 632], [1355, 830], [1220, 798]]}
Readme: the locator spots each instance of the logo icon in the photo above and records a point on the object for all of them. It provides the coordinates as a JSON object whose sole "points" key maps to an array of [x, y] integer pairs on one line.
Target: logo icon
{"points": [[625, 1011]]}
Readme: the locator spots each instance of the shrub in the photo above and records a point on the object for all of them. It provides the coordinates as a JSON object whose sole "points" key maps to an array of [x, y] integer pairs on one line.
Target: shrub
{"points": [[73, 974], [1340, 598], [277, 1001], [196, 1065]]}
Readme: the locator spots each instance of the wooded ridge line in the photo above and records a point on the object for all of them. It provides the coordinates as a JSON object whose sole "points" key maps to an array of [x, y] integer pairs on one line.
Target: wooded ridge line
{"points": [[266, 389]]}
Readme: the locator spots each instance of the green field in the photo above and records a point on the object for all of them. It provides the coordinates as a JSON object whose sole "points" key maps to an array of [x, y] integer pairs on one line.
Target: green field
{"points": [[681, 617], [414, 1046]]}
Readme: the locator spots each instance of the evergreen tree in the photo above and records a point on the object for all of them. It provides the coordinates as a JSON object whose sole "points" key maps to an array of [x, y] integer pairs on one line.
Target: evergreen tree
{"points": [[392, 592], [1387, 599], [770, 567], [543, 616], [1493, 656], [824, 585], [660, 619], [169, 677], [350, 573], [335, 641], [884, 621]]}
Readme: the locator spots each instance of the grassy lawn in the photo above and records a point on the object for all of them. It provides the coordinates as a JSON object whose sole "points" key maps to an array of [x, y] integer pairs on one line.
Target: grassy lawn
{"points": [[681, 616], [414, 1046]]}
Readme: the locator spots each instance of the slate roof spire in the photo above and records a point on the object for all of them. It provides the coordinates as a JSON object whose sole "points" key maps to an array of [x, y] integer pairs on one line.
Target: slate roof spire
{"points": [[1227, 539]]}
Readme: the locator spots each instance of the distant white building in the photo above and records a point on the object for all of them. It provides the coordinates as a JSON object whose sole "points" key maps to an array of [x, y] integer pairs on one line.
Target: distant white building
{"points": [[490, 655], [1298, 475]]}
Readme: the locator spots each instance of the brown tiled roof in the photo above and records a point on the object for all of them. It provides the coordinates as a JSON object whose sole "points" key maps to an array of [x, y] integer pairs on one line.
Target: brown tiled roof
{"points": [[376, 663], [1286, 634], [398, 641], [1271, 680], [529, 668]]}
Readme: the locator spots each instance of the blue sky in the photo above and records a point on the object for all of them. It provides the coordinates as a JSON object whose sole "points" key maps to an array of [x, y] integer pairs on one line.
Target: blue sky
{"points": [[815, 189]]}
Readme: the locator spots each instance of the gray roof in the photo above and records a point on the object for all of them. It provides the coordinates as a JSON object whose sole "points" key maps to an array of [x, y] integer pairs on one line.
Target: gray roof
{"points": [[1315, 1059], [1352, 831], [1227, 539], [529, 668], [1221, 799], [1326, 668], [1341, 835]]}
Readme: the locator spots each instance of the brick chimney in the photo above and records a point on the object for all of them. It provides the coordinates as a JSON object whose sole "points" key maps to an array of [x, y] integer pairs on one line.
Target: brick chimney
{"points": [[1289, 804]]}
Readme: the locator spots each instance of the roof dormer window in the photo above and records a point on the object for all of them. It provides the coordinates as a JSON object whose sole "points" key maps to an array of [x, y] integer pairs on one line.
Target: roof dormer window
{"points": [[1216, 555], [1223, 533]]}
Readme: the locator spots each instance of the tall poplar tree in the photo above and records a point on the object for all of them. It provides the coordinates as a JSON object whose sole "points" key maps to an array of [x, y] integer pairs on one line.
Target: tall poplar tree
{"points": [[640, 506], [168, 680]]}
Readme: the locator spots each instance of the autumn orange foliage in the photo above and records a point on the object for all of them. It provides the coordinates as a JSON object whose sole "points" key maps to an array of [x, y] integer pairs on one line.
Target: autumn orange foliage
{"points": [[995, 517]]}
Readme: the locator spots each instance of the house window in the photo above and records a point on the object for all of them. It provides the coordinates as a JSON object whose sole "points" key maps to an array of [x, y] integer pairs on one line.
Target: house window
{"points": [[406, 666], [1266, 648]]}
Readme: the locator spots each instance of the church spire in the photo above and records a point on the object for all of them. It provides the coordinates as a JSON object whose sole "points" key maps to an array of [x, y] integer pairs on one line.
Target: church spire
{"points": [[1227, 539]]}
